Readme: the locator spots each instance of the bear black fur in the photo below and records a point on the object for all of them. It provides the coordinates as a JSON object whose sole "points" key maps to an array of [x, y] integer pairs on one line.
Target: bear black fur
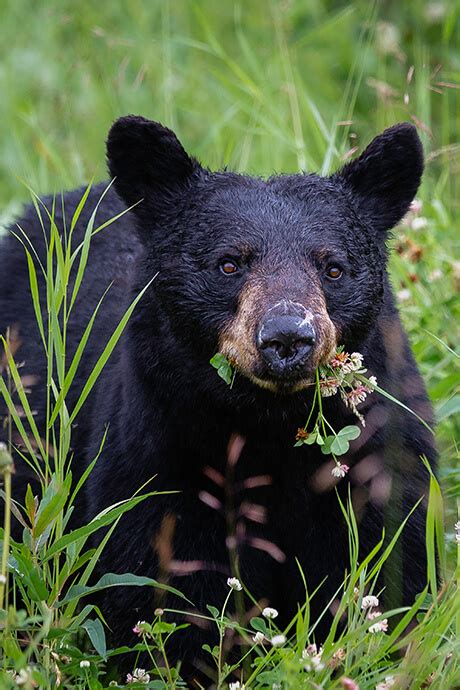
{"points": [[171, 418]]}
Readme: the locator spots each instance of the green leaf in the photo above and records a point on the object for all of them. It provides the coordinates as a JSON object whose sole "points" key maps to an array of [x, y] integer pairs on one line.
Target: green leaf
{"points": [[259, 624], [117, 580], [326, 447], [215, 613], [51, 504], [30, 504], [96, 634], [339, 445], [223, 366], [319, 439], [36, 587], [102, 520], [350, 432]]}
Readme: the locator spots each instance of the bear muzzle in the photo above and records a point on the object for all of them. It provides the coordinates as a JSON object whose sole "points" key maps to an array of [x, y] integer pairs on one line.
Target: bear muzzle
{"points": [[285, 343]]}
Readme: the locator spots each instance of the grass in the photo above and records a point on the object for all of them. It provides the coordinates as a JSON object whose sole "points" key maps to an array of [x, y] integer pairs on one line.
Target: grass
{"points": [[259, 87]]}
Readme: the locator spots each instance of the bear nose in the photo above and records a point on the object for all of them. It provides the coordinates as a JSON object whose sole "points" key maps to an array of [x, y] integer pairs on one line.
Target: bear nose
{"points": [[285, 342]]}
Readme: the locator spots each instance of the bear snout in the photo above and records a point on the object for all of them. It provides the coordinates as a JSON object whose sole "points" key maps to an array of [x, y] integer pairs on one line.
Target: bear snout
{"points": [[285, 342]]}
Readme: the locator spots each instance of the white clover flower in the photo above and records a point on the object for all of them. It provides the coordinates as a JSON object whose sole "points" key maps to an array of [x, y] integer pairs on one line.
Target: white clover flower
{"points": [[328, 387], [278, 640], [356, 359], [369, 602], [2, 580], [379, 626], [236, 686], [436, 274], [313, 658], [84, 663], [419, 223], [339, 470], [139, 676], [386, 684], [403, 295], [268, 612], [234, 583], [258, 638], [23, 677]]}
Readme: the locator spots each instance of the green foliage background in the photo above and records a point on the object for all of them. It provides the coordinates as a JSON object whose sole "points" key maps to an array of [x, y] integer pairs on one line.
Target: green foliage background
{"points": [[260, 87]]}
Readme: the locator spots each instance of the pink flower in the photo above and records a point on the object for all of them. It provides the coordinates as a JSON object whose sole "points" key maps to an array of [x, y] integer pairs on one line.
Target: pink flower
{"points": [[339, 470]]}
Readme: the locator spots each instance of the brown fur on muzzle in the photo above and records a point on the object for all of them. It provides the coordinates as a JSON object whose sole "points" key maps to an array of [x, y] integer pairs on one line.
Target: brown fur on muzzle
{"points": [[238, 339]]}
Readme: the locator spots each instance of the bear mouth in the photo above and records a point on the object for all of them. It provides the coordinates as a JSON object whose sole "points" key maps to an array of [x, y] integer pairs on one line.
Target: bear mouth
{"points": [[283, 384]]}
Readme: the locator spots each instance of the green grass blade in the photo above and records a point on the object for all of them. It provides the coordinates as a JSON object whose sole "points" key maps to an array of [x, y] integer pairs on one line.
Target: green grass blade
{"points": [[101, 362]]}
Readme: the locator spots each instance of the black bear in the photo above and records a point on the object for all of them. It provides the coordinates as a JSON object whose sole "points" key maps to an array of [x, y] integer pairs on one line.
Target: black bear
{"points": [[274, 274]]}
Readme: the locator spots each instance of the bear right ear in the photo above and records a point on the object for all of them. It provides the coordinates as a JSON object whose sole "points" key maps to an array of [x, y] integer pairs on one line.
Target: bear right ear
{"points": [[384, 179], [146, 160]]}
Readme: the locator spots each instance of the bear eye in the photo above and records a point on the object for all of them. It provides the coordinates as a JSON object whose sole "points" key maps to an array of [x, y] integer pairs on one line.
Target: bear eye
{"points": [[228, 267], [334, 272]]}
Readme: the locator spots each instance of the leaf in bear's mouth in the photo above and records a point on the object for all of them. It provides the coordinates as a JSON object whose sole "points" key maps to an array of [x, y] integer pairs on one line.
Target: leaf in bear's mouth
{"points": [[224, 368]]}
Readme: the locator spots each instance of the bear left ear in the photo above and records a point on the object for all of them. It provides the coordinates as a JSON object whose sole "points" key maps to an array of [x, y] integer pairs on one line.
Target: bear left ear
{"points": [[386, 176], [147, 161]]}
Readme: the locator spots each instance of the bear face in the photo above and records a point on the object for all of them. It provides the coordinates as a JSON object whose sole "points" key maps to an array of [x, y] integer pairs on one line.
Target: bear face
{"points": [[274, 274]]}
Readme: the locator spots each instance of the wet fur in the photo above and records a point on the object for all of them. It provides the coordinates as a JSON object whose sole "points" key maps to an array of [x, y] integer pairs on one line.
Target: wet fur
{"points": [[171, 417]]}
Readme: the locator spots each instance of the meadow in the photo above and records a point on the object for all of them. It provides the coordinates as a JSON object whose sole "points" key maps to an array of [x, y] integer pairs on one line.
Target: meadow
{"points": [[260, 87]]}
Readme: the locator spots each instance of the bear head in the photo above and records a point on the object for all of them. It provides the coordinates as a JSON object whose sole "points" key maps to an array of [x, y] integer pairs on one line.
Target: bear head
{"points": [[275, 273]]}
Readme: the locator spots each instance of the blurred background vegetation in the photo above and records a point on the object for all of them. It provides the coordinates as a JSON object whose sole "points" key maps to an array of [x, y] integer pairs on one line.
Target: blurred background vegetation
{"points": [[259, 87]]}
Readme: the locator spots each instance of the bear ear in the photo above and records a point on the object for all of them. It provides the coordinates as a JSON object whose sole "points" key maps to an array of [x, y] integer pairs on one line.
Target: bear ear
{"points": [[147, 161], [386, 176]]}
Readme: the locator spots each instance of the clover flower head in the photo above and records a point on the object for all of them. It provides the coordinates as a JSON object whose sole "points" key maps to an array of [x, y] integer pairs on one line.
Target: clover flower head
{"points": [[419, 223], [236, 685], [379, 626], [339, 470], [310, 650], [337, 657], [348, 683], [416, 206], [278, 640], [258, 638], [313, 658], [140, 627], [23, 677], [301, 434], [328, 387], [234, 583], [268, 612], [369, 602], [84, 663], [139, 676]]}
